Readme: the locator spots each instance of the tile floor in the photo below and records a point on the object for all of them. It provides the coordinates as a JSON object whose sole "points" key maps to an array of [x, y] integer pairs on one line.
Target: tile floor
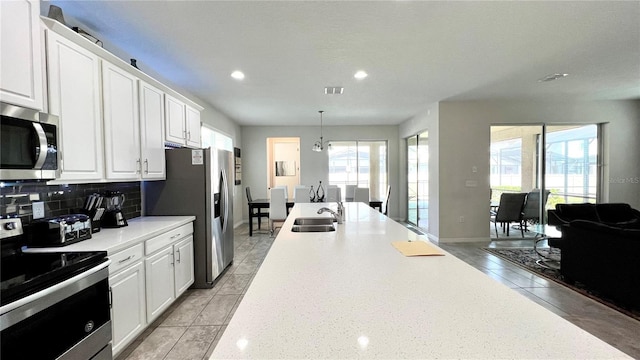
{"points": [[191, 328]]}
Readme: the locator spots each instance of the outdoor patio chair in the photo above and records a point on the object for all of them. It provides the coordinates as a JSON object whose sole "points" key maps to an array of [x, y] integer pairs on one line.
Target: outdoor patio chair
{"points": [[509, 210]]}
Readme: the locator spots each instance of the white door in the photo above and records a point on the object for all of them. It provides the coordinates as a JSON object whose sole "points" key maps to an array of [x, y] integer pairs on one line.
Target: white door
{"points": [[128, 306], [121, 123], [160, 282], [183, 254], [285, 163], [175, 121], [152, 131], [74, 95], [21, 65]]}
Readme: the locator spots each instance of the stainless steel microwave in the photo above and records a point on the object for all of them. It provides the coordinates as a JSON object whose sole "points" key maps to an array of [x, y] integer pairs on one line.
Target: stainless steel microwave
{"points": [[28, 144]]}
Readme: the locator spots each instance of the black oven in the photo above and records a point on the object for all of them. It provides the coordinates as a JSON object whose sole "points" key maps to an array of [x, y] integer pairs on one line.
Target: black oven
{"points": [[28, 144], [53, 305]]}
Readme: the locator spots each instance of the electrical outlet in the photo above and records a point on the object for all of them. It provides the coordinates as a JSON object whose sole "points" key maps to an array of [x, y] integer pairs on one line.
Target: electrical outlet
{"points": [[461, 219], [38, 209]]}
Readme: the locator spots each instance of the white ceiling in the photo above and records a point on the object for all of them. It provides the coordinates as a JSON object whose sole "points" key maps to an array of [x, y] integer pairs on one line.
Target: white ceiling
{"points": [[416, 53]]}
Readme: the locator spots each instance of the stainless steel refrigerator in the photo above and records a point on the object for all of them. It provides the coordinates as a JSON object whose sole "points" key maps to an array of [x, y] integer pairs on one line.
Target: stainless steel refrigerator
{"points": [[198, 183]]}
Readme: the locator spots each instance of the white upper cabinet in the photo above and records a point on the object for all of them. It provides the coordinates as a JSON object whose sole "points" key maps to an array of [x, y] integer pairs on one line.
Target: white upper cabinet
{"points": [[21, 66], [74, 95], [121, 123], [182, 123], [193, 138], [176, 130], [152, 131]]}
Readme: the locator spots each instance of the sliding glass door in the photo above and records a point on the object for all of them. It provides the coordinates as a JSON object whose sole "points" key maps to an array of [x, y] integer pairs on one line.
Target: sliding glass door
{"points": [[360, 163], [559, 163], [418, 180], [571, 169]]}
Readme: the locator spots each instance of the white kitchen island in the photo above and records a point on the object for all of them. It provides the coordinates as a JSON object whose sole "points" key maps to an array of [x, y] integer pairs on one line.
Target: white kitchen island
{"points": [[351, 294]]}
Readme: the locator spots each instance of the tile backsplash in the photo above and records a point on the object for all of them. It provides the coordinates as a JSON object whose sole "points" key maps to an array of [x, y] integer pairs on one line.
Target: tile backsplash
{"points": [[16, 199]]}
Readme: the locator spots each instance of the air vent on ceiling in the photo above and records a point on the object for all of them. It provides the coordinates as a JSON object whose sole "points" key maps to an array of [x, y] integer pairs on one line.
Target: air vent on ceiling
{"points": [[333, 90]]}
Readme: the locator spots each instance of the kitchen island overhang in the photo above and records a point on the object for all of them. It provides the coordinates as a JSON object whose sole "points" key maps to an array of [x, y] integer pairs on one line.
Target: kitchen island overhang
{"points": [[350, 294]]}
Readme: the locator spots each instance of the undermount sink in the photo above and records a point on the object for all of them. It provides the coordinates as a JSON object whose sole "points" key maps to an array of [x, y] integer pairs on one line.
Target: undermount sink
{"points": [[313, 221], [312, 228]]}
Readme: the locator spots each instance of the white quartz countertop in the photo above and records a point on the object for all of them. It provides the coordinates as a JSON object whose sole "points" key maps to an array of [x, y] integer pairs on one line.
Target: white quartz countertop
{"points": [[351, 294], [116, 239]]}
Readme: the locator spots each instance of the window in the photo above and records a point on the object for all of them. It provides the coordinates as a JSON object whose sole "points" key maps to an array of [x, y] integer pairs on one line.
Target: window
{"points": [[215, 140], [361, 163]]}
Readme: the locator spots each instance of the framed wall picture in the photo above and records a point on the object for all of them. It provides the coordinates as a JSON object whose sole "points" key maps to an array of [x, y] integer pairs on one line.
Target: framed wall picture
{"points": [[238, 165], [285, 168]]}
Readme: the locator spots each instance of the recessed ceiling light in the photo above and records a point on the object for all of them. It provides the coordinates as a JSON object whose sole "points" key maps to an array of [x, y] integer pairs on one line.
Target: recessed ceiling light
{"points": [[360, 75], [552, 77], [238, 75]]}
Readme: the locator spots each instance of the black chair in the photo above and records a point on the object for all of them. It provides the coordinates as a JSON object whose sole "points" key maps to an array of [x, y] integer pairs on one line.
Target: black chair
{"points": [[531, 210], [386, 204], [259, 214], [509, 210]]}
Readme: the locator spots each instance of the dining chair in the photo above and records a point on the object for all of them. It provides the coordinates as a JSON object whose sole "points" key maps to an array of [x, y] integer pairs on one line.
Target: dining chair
{"points": [[253, 213], [286, 191], [509, 210], [349, 192], [334, 194], [277, 208], [361, 195], [386, 201], [301, 194]]}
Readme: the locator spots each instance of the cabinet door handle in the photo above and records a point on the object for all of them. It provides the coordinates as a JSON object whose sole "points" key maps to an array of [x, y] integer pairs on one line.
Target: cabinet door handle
{"points": [[178, 259], [146, 163], [173, 258], [125, 259], [174, 236], [189, 135], [138, 166]]}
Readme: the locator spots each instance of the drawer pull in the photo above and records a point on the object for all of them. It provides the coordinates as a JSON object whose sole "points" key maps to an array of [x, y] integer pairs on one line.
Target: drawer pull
{"points": [[175, 236], [125, 259]]}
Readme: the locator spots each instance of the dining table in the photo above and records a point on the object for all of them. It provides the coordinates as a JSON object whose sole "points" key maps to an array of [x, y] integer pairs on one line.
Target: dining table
{"points": [[256, 206]]}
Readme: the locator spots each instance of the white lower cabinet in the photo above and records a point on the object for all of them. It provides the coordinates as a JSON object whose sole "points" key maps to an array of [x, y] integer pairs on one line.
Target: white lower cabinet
{"points": [[169, 274], [128, 318], [183, 254], [160, 280], [168, 269], [145, 279]]}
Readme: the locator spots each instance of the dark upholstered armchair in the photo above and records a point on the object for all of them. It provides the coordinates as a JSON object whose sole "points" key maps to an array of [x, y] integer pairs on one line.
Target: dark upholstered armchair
{"points": [[600, 248]]}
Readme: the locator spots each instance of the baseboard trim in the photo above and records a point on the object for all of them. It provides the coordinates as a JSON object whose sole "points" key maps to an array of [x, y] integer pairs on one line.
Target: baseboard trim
{"points": [[464, 240]]}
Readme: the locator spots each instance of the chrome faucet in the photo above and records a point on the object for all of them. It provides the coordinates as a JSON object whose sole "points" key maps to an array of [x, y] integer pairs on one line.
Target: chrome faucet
{"points": [[336, 215]]}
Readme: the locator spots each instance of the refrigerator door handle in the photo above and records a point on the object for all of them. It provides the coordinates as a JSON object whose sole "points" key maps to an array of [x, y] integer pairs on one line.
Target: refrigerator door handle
{"points": [[225, 198]]}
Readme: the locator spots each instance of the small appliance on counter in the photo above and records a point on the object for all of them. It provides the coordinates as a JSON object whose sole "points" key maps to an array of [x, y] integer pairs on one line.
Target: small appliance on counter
{"points": [[113, 216], [59, 231]]}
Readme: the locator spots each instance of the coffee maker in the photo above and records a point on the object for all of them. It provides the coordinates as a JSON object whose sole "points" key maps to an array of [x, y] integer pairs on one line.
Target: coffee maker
{"points": [[113, 216]]}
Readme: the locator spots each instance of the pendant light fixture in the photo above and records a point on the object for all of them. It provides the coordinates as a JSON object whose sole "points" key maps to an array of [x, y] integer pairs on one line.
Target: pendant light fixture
{"points": [[319, 145]]}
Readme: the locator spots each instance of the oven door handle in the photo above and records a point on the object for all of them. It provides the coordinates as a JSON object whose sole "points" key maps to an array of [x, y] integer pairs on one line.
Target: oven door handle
{"points": [[42, 139]]}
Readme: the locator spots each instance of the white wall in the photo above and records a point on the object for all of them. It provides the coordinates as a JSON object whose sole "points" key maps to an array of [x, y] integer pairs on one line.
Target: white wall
{"points": [[464, 140], [314, 166]]}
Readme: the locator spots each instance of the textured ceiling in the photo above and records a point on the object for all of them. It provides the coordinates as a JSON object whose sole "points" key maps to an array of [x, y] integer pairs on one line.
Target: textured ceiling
{"points": [[416, 53]]}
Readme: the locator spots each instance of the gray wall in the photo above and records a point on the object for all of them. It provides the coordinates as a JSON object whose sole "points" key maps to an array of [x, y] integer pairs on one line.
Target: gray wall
{"points": [[463, 142], [313, 166]]}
